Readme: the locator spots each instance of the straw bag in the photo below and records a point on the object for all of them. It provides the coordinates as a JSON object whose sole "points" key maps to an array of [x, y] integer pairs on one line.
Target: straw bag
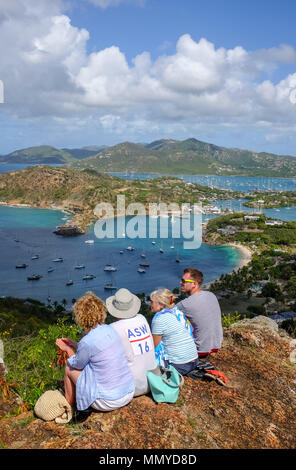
{"points": [[52, 405]]}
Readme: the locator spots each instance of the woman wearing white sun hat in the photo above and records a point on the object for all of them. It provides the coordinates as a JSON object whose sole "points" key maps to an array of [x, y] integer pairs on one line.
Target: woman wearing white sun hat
{"points": [[135, 335]]}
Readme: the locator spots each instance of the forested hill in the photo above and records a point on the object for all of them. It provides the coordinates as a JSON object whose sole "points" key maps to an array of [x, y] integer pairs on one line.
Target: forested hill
{"points": [[78, 192], [190, 156], [164, 156], [48, 154]]}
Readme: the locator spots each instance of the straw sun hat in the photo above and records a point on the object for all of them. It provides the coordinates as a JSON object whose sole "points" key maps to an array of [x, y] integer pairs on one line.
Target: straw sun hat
{"points": [[123, 304]]}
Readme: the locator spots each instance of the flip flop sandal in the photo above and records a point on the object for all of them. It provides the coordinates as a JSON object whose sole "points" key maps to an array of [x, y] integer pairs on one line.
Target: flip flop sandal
{"points": [[196, 374], [204, 366], [217, 376]]}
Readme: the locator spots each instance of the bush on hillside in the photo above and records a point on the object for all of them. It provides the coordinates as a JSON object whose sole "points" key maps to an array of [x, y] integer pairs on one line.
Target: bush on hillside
{"points": [[32, 360]]}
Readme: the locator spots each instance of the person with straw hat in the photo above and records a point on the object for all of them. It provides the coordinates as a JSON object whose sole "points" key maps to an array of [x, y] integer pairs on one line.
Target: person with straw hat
{"points": [[135, 335]]}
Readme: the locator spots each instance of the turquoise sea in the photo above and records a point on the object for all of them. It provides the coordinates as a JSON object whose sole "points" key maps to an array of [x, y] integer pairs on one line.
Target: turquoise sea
{"points": [[26, 232]]}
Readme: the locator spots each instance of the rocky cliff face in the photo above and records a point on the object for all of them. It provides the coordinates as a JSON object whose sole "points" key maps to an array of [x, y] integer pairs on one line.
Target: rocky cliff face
{"points": [[255, 410]]}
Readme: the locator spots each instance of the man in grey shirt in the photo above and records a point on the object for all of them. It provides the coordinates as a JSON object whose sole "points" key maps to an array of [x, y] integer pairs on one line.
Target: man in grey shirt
{"points": [[203, 311]]}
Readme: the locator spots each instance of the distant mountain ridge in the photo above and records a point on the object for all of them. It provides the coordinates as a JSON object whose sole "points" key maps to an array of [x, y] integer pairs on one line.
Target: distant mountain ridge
{"points": [[45, 154], [190, 156], [163, 156]]}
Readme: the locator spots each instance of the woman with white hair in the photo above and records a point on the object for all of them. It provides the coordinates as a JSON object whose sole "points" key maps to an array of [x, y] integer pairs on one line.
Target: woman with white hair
{"points": [[171, 330]]}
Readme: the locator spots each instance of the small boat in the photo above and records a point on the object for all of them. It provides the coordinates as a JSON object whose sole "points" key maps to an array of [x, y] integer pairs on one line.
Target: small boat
{"points": [[109, 267], [161, 250], [143, 255], [110, 286], [145, 265], [79, 266], [153, 243], [35, 257], [140, 270], [89, 241], [130, 248], [69, 283], [58, 260], [88, 276], [121, 252], [21, 265], [50, 270], [35, 277], [177, 260]]}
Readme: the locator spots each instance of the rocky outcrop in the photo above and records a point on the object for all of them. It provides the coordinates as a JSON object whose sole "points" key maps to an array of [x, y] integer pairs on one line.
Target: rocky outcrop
{"points": [[255, 410], [68, 230]]}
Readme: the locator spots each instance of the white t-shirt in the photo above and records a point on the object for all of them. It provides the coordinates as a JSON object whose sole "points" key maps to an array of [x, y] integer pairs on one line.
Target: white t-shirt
{"points": [[138, 344]]}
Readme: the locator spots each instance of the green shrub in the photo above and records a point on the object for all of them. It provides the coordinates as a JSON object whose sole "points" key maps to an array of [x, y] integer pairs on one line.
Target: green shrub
{"points": [[228, 319], [290, 327], [257, 309], [31, 360]]}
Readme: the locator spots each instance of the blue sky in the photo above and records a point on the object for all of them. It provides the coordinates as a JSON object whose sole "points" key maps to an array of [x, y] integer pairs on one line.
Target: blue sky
{"points": [[93, 72]]}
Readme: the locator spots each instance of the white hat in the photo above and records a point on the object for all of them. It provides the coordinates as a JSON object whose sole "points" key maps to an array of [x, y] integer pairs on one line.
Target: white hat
{"points": [[123, 304]]}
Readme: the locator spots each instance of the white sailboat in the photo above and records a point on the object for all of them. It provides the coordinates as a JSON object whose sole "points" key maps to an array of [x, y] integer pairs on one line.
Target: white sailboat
{"points": [[88, 276], [79, 266], [110, 285], [58, 260], [109, 267]]}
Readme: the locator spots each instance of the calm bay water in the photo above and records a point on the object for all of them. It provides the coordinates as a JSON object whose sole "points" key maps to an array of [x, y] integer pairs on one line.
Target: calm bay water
{"points": [[33, 228], [235, 183]]}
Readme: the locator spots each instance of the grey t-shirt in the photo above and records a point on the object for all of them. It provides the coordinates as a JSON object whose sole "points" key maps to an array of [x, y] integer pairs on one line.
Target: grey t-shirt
{"points": [[203, 311]]}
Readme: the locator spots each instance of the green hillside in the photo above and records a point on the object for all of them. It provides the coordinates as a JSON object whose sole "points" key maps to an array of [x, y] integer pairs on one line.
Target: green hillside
{"points": [[46, 154], [190, 156]]}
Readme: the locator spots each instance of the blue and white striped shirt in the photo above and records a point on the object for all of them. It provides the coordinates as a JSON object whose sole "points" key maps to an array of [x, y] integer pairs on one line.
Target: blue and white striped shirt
{"points": [[176, 332]]}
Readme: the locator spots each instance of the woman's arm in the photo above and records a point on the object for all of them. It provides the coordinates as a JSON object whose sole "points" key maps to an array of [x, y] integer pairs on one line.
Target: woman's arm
{"points": [[65, 345], [156, 339], [82, 356]]}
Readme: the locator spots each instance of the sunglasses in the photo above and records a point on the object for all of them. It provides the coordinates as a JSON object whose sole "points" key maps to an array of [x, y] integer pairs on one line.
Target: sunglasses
{"points": [[186, 280]]}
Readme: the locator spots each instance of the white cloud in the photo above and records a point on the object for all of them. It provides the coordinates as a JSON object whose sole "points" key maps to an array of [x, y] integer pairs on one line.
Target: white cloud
{"points": [[47, 72], [114, 3]]}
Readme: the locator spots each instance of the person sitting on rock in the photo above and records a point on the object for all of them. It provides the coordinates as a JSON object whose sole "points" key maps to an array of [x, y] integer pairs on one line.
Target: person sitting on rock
{"points": [[135, 335], [203, 311], [98, 375], [170, 327]]}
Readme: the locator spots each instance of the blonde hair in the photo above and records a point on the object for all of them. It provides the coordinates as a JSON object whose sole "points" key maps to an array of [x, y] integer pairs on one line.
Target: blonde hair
{"points": [[89, 311], [164, 297]]}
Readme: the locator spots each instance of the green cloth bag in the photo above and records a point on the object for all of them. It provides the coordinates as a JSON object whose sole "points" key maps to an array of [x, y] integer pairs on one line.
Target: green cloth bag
{"points": [[165, 384]]}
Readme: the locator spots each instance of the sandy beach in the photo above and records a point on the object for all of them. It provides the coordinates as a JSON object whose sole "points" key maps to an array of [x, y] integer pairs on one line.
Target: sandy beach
{"points": [[246, 254], [245, 259]]}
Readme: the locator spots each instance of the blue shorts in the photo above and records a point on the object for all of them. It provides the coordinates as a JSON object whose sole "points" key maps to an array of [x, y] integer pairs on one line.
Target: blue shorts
{"points": [[183, 369]]}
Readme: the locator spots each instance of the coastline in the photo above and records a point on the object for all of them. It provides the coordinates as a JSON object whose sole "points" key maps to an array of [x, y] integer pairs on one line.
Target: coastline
{"points": [[246, 256]]}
